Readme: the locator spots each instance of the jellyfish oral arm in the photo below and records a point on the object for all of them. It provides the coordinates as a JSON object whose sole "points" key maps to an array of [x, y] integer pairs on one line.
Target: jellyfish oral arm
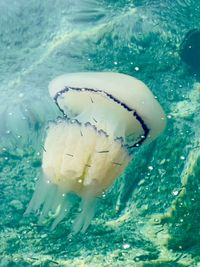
{"points": [[81, 159], [77, 159]]}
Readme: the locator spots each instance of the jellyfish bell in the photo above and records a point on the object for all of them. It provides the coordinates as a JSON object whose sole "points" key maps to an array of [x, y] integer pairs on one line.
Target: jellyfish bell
{"points": [[92, 95], [105, 117]]}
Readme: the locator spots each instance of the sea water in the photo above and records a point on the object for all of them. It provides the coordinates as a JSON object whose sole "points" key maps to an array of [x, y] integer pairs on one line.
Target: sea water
{"points": [[150, 216]]}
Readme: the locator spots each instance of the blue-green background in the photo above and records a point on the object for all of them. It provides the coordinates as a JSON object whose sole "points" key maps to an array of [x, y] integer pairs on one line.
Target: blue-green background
{"points": [[150, 217]]}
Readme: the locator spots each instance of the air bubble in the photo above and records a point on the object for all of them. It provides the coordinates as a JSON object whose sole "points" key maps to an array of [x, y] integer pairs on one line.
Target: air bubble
{"points": [[150, 168], [137, 259], [126, 246], [175, 193], [103, 194]]}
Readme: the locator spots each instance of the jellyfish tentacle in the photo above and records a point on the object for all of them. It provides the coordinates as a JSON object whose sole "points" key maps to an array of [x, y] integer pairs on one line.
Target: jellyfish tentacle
{"points": [[90, 212], [83, 219], [58, 199], [48, 201], [65, 208], [42, 187]]}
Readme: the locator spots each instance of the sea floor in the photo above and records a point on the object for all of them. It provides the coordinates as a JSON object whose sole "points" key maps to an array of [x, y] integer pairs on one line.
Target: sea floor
{"points": [[150, 216]]}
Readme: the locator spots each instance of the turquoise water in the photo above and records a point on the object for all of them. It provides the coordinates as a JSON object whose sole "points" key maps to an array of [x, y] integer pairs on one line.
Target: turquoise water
{"points": [[150, 216]]}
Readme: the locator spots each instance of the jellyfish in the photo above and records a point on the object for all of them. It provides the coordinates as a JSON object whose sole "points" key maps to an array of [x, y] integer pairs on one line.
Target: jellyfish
{"points": [[105, 117]]}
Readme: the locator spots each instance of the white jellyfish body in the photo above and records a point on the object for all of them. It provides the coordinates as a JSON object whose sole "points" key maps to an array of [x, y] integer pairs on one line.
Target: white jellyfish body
{"points": [[106, 116]]}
